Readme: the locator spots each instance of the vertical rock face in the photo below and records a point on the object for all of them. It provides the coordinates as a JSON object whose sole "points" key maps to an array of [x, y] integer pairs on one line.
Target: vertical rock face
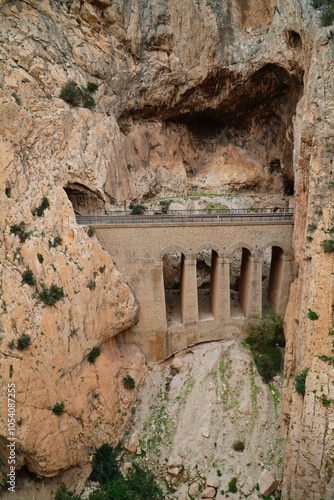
{"points": [[192, 97]]}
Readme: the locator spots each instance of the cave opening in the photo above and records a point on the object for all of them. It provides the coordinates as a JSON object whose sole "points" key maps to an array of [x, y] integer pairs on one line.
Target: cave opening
{"points": [[84, 200], [232, 120]]}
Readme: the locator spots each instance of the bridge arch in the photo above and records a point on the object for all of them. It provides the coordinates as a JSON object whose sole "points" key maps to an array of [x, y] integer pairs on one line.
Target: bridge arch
{"points": [[243, 244], [177, 248], [276, 243], [207, 246]]}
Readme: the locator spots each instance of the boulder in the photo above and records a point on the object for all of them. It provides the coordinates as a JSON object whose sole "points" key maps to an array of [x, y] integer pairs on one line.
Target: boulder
{"points": [[209, 492], [133, 443], [213, 481], [248, 486], [193, 489], [177, 364], [267, 483], [176, 461], [174, 471]]}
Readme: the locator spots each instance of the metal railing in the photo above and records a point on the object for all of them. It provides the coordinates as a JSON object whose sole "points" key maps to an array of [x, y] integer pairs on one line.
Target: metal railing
{"points": [[181, 216]]}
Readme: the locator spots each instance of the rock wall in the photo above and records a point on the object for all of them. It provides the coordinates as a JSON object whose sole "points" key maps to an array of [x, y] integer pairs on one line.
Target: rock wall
{"points": [[192, 97]]}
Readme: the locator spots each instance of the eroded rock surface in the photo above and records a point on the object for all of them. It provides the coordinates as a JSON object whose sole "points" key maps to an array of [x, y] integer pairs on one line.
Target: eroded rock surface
{"points": [[192, 97]]}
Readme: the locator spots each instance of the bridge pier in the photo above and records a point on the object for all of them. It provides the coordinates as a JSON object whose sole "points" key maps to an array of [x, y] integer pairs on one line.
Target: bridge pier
{"points": [[220, 289], [189, 298], [279, 281], [255, 291]]}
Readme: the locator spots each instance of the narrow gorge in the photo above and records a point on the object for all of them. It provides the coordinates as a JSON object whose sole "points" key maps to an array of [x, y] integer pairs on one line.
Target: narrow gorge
{"points": [[135, 336]]}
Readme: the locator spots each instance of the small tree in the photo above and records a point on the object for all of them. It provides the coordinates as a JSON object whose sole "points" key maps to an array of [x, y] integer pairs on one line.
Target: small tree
{"points": [[39, 211], [129, 382], [328, 246], [300, 381], [94, 353], [51, 295], [20, 231], [28, 278], [23, 342], [58, 409], [265, 338], [312, 314], [137, 209]]}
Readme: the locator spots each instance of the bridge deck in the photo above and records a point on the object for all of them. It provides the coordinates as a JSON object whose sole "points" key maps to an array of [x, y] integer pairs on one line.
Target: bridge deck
{"points": [[187, 216]]}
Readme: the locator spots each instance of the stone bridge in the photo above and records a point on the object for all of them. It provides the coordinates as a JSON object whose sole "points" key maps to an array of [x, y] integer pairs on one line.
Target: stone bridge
{"points": [[172, 319]]}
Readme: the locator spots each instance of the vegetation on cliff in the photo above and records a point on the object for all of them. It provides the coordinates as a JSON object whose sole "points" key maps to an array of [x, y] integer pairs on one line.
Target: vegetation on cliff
{"points": [[265, 339], [139, 484]]}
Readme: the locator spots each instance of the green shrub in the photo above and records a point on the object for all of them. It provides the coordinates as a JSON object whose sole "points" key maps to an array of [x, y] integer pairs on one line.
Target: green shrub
{"points": [[94, 353], [105, 466], [129, 382], [140, 485], [312, 314], [102, 269], [266, 331], [58, 409], [137, 209], [300, 381], [28, 278], [269, 363], [216, 207], [19, 230], [238, 446], [327, 359], [76, 96], [71, 93], [91, 231], [118, 489], [265, 338], [232, 485], [91, 285], [311, 227], [57, 240], [318, 3], [40, 258], [327, 15], [23, 342], [328, 246], [325, 401], [165, 204], [50, 295], [92, 87], [39, 211], [143, 484]]}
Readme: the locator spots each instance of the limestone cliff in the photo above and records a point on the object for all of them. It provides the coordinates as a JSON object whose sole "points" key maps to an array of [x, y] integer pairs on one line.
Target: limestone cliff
{"points": [[202, 96]]}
